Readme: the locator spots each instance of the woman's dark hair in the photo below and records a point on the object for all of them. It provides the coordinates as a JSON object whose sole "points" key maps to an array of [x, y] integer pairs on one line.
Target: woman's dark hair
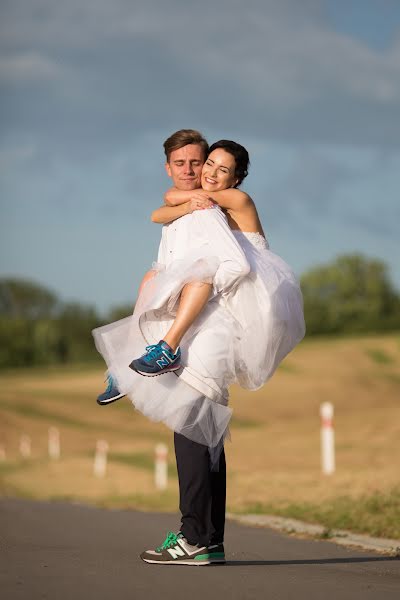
{"points": [[239, 153]]}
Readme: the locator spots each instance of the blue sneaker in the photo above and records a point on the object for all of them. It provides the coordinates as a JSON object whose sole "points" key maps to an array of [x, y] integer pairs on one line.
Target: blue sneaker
{"points": [[157, 360], [111, 394]]}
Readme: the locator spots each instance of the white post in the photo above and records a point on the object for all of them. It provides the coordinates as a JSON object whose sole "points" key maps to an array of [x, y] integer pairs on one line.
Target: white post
{"points": [[2, 454], [327, 439], [161, 467], [25, 446], [100, 459], [54, 443]]}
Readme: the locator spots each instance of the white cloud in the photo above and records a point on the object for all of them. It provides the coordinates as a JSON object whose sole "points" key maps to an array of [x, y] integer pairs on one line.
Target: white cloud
{"points": [[91, 89], [27, 67]]}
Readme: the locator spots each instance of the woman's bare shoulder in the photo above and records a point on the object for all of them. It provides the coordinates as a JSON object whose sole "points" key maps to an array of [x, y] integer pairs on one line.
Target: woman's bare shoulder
{"points": [[234, 198]]}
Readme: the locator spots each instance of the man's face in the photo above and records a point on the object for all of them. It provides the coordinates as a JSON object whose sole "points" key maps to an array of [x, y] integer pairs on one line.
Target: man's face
{"points": [[184, 166]]}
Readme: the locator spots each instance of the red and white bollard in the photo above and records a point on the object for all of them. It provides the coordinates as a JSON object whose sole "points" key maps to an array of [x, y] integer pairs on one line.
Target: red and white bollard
{"points": [[100, 459], [54, 443], [327, 439], [161, 467], [25, 448]]}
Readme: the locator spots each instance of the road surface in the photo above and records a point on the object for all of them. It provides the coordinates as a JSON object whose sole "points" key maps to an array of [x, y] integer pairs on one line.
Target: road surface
{"points": [[62, 551]]}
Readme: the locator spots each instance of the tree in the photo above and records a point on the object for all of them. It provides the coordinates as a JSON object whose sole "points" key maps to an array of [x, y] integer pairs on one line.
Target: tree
{"points": [[354, 293], [24, 299]]}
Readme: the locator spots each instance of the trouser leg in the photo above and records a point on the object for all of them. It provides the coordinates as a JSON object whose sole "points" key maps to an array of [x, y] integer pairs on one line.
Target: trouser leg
{"points": [[202, 493], [218, 502]]}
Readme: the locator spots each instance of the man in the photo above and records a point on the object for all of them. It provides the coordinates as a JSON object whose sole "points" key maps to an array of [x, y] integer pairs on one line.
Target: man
{"points": [[199, 443]]}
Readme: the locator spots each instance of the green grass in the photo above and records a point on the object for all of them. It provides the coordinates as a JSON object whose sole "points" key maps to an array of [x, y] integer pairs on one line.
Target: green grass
{"points": [[14, 466], [165, 501], [376, 514], [380, 357], [53, 371], [35, 412], [141, 460], [288, 368], [242, 423]]}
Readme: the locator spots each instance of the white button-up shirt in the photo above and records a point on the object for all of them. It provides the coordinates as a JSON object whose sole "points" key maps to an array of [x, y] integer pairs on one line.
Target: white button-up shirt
{"points": [[208, 231]]}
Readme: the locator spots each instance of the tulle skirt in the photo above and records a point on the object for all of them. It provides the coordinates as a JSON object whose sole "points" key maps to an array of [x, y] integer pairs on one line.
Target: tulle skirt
{"points": [[239, 337], [268, 306]]}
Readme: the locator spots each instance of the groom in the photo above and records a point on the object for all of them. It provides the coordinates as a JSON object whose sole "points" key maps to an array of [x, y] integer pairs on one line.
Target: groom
{"points": [[202, 485]]}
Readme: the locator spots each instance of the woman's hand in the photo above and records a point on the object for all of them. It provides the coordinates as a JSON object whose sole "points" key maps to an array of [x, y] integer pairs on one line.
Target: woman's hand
{"points": [[200, 201]]}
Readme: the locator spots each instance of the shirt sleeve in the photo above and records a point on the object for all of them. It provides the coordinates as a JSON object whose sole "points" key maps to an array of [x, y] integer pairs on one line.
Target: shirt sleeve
{"points": [[162, 249]]}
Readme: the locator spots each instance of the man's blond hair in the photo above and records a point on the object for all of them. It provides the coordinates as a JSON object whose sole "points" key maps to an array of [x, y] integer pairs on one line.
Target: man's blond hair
{"points": [[182, 138]]}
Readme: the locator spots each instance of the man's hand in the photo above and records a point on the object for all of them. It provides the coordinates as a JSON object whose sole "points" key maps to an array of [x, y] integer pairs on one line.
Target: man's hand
{"points": [[199, 201]]}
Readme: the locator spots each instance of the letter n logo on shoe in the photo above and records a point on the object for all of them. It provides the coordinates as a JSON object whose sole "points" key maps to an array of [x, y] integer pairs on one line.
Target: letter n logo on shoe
{"points": [[176, 552], [163, 362]]}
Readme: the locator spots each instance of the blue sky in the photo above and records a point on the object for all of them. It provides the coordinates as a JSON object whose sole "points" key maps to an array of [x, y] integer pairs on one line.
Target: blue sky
{"points": [[90, 90]]}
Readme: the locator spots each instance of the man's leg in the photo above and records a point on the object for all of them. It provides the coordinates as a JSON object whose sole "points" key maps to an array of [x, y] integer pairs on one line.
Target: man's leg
{"points": [[218, 506], [202, 493]]}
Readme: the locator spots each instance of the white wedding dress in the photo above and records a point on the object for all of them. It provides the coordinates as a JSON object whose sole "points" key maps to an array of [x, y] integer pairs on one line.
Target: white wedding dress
{"points": [[252, 321]]}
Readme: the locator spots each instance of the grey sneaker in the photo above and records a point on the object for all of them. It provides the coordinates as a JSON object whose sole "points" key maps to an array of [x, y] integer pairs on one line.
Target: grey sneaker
{"points": [[176, 550]]}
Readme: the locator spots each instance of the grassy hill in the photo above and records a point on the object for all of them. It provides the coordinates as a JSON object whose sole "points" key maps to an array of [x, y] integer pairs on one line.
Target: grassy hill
{"points": [[273, 459]]}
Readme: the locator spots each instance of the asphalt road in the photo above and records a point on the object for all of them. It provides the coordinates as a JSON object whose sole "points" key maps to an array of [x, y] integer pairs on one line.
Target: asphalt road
{"points": [[69, 551]]}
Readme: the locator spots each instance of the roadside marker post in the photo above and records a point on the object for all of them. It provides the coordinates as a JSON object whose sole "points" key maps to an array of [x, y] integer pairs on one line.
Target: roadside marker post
{"points": [[100, 459], [25, 448], [2, 454], [161, 467], [54, 443], [327, 439]]}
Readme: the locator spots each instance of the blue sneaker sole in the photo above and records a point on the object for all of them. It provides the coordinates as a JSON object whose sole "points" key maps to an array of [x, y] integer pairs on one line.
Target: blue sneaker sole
{"points": [[170, 369], [110, 401]]}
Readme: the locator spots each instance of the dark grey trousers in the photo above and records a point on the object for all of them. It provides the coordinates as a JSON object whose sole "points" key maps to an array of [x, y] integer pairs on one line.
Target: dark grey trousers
{"points": [[202, 492]]}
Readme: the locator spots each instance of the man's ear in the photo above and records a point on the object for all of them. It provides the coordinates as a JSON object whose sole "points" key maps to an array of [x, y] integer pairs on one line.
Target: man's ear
{"points": [[168, 169]]}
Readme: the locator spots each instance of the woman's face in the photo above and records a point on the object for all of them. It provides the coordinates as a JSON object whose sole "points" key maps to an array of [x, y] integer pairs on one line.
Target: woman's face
{"points": [[218, 171]]}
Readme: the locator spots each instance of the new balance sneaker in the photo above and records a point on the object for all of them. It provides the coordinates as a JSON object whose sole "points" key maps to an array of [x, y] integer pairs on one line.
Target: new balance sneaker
{"points": [[111, 394], [158, 359], [176, 550]]}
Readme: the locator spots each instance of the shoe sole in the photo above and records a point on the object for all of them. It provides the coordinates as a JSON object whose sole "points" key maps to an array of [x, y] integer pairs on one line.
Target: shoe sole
{"points": [[171, 370], [189, 563], [104, 403]]}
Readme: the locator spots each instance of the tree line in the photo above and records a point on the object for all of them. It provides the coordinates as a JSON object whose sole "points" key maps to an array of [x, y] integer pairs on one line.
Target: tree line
{"points": [[352, 294]]}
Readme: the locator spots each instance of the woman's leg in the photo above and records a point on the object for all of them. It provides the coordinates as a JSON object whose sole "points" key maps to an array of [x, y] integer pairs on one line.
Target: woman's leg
{"points": [[112, 392], [194, 297], [149, 275], [165, 356]]}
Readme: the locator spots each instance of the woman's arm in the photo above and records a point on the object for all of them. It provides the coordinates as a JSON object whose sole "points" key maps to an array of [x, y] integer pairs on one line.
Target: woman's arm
{"points": [[230, 198], [166, 214], [174, 197]]}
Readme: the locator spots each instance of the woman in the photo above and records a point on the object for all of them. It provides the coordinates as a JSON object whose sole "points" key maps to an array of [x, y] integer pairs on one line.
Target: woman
{"points": [[240, 334]]}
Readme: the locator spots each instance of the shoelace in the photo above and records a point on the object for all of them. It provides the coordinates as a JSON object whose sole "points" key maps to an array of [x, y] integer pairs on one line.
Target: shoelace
{"points": [[110, 383], [152, 351], [169, 541]]}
